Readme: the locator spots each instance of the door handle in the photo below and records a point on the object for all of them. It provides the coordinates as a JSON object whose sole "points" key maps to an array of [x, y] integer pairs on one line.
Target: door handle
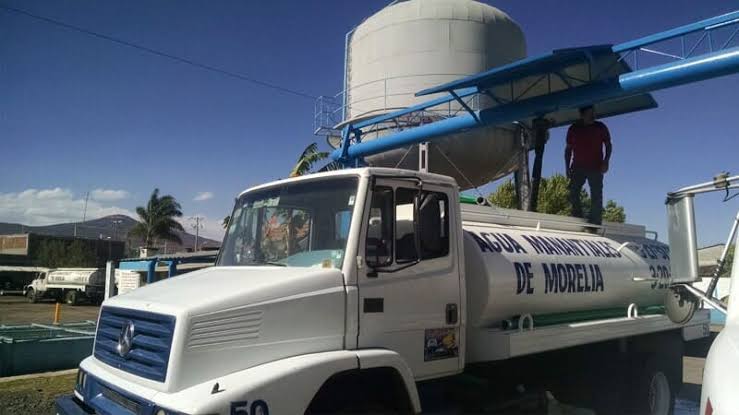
{"points": [[452, 314]]}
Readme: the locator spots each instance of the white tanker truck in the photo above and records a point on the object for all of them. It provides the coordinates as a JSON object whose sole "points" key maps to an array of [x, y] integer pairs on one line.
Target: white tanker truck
{"points": [[70, 285], [376, 288]]}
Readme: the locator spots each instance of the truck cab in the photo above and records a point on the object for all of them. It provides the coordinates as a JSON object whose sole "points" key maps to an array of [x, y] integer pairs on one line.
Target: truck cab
{"points": [[317, 284]]}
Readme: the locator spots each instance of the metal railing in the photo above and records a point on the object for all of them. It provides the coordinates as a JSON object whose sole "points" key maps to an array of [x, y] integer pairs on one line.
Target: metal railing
{"points": [[331, 111]]}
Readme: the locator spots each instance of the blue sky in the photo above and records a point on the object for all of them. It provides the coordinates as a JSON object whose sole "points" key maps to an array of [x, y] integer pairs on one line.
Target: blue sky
{"points": [[80, 114]]}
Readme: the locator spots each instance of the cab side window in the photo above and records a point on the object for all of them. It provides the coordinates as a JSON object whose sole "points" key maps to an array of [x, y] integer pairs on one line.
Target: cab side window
{"points": [[379, 245], [433, 218], [406, 225]]}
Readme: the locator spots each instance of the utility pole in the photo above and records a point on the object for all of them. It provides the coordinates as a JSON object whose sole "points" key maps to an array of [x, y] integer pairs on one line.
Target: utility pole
{"points": [[116, 223], [84, 213], [197, 223]]}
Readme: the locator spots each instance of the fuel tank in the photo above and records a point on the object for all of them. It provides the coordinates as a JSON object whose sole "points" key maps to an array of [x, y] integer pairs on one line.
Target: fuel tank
{"points": [[528, 263]]}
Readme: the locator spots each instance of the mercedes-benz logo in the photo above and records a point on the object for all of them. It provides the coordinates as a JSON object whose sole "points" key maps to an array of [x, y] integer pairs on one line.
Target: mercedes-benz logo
{"points": [[125, 339]]}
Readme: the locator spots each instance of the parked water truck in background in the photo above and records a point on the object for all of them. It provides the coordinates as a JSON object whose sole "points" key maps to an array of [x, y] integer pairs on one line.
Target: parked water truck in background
{"points": [[370, 288], [70, 285]]}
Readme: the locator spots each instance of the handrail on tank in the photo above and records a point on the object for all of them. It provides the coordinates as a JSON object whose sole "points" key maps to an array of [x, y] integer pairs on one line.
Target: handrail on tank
{"points": [[721, 182], [415, 108], [632, 311]]}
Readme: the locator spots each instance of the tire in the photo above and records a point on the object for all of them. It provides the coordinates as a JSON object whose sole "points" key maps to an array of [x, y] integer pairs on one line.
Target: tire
{"points": [[72, 297], [370, 391], [31, 296], [655, 391]]}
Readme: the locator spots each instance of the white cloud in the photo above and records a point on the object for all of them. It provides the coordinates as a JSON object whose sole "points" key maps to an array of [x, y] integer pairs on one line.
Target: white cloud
{"points": [[201, 196], [51, 194], [108, 195], [211, 228], [49, 206]]}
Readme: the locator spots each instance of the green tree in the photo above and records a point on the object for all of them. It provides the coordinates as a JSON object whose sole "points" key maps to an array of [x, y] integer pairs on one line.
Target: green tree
{"points": [[729, 262], [504, 196], [554, 196], [554, 199], [612, 212], [80, 254], [59, 254], [50, 254], [157, 219], [307, 159]]}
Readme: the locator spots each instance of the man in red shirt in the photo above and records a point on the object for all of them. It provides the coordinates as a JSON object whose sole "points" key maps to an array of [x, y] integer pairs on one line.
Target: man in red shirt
{"points": [[584, 160]]}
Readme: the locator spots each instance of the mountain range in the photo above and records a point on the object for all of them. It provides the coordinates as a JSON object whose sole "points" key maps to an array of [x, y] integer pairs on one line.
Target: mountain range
{"points": [[115, 227]]}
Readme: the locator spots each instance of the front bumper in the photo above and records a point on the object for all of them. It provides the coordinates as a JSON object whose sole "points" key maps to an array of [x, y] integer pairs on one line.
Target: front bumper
{"points": [[69, 405], [94, 396]]}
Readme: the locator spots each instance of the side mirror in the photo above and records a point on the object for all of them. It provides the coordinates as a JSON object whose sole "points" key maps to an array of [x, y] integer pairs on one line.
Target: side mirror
{"points": [[683, 240]]}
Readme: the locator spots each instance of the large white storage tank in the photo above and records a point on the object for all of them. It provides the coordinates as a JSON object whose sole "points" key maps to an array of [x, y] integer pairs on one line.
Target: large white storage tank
{"points": [[416, 44]]}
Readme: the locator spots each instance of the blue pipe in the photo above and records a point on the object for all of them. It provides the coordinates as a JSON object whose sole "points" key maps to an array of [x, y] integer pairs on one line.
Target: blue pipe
{"points": [[707, 66], [151, 271], [172, 268], [703, 67], [408, 137]]}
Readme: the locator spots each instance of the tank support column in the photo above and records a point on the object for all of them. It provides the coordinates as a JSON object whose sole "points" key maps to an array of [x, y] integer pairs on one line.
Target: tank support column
{"points": [[540, 129], [423, 157], [521, 177]]}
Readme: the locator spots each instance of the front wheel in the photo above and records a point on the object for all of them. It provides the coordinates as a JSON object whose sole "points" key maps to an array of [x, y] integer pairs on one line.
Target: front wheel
{"points": [[31, 296], [72, 297]]}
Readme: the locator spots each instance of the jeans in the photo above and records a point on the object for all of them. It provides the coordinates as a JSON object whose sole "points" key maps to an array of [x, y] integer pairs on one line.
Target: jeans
{"points": [[595, 181]]}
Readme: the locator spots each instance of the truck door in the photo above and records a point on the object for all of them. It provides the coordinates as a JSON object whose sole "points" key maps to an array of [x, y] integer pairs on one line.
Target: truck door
{"points": [[409, 286], [39, 283]]}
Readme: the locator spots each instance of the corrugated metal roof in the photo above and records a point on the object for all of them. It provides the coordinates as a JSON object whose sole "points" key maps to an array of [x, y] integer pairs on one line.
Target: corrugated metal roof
{"points": [[176, 255]]}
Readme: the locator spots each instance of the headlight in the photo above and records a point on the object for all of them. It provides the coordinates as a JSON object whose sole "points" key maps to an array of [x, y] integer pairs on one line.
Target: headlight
{"points": [[81, 380]]}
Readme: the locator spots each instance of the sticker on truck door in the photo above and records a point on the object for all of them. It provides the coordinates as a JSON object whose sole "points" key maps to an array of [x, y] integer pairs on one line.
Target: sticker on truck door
{"points": [[440, 344]]}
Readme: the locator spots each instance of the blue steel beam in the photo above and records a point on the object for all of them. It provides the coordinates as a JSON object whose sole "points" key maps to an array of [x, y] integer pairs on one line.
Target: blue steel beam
{"points": [[707, 24], [672, 74], [535, 65]]}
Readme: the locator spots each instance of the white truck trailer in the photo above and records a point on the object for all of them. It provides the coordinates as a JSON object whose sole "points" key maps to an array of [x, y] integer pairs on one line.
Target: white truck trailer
{"points": [[70, 285], [376, 288]]}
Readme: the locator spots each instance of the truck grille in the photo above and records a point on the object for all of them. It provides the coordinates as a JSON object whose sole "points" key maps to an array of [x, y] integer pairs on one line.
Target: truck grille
{"points": [[148, 356]]}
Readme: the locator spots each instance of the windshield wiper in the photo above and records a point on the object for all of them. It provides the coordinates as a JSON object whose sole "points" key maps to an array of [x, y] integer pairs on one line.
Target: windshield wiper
{"points": [[279, 264], [262, 263]]}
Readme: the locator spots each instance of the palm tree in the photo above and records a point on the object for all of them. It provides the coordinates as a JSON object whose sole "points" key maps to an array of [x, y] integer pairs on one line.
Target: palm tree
{"points": [[310, 156], [157, 219]]}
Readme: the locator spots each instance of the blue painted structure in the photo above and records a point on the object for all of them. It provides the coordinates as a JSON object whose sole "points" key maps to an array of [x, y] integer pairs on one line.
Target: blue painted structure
{"points": [[35, 348], [629, 87], [149, 264]]}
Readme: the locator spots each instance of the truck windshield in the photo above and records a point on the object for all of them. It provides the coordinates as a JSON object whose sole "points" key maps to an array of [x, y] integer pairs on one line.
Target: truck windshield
{"points": [[296, 224]]}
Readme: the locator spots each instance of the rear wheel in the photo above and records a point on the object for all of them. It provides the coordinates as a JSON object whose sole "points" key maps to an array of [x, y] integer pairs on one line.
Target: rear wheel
{"points": [[72, 297], [656, 393]]}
